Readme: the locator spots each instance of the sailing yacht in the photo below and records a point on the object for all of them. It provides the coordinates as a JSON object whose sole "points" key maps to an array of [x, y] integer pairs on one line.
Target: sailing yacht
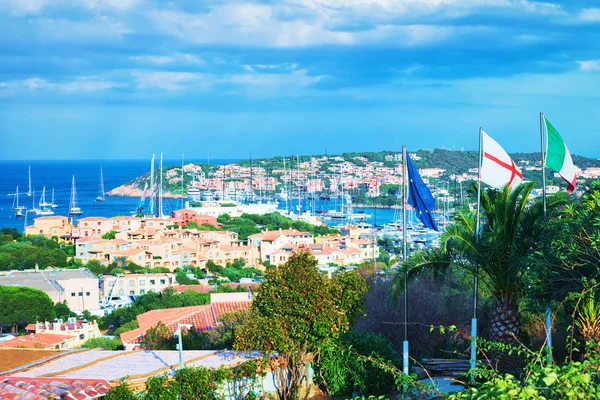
{"points": [[43, 206], [73, 208], [52, 203], [16, 207], [43, 202], [101, 189], [33, 208]]}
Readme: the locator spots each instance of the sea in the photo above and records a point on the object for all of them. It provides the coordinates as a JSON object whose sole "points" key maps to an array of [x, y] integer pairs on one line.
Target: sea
{"points": [[58, 175]]}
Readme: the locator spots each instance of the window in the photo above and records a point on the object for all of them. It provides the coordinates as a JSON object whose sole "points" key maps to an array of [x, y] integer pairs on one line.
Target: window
{"points": [[80, 294], [121, 292], [131, 292], [152, 282], [111, 284], [142, 291], [142, 282], [132, 282], [162, 281], [81, 337], [72, 294], [121, 283], [87, 294]]}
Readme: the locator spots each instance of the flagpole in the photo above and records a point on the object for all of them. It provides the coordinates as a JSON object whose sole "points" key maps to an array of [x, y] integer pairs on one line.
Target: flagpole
{"points": [[545, 215], [404, 256], [475, 276]]}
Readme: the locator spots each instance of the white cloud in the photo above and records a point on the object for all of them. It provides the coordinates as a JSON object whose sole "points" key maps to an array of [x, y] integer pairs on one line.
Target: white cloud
{"points": [[31, 7], [169, 80], [62, 29], [83, 84], [175, 58], [590, 15], [285, 82], [590, 65]]}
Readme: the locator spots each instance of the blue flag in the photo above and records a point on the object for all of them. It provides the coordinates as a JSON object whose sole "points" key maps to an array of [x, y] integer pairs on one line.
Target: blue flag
{"points": [[419, 196]]}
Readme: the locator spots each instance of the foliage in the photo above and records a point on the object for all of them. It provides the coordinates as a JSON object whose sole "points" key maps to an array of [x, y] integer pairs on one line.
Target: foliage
{"points": [[110, 235], [510, 229], [158, 337], [196, 383], [343, 369], [12, 232], [569, 381], [183, 279], [128, 326], [62, 310], [222, 337], [96, 267], [294, 312], [30, 251], [103, 343], [23, 305], [570, 251]]}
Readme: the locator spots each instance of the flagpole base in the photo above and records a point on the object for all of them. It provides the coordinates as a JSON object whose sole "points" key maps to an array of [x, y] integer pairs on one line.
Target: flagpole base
{"points": [[473, 347], [405, 357]]}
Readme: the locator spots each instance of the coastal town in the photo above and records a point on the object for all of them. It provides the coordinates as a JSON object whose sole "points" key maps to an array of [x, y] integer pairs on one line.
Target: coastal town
{"points": [[299, 200]]}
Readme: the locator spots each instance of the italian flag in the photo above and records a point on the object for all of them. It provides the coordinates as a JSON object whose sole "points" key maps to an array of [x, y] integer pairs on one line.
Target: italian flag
{"points": [[558, 157]]}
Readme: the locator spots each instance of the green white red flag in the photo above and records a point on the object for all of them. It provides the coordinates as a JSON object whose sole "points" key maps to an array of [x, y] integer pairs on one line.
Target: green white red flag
{"points": [[558, 157]]}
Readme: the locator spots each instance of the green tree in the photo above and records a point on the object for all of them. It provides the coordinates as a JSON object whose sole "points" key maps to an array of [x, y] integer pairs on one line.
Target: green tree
{"points": [[158, 337], [510, 229], [62, 310], [569, 255], [103, 343], [294, 312], [96, 267], [109, 235], [23, 305]]}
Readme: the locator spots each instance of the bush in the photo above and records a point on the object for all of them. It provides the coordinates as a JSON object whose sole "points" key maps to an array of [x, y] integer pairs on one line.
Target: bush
{"points": [[103, 343], [343, 368]]}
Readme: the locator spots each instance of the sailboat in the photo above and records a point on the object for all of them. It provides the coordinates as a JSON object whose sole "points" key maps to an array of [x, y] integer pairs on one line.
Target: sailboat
{"points": [[43, 202], [52, 203], [73, 208], [29, 191], [43, 205], [33, 208], [101, 189], [16, 207]]}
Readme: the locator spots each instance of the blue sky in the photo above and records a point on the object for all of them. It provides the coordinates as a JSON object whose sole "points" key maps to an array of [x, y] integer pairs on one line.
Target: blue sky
{"points": [[128, 78]]}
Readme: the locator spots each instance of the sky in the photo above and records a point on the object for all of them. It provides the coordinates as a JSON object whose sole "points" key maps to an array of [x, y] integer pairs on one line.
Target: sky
{"points": [[124, 79]]}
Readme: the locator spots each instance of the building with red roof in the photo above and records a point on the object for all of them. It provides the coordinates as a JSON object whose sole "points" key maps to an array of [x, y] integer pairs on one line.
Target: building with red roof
{"points": [[202, 318]]}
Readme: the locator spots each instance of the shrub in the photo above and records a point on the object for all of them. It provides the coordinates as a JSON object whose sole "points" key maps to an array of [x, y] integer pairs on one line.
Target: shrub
{"points": [[103, 343]]}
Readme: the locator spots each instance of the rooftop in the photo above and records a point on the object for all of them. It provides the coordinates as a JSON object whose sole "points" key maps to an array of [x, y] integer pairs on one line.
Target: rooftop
{"points": [[41, 340], [14, 387]]}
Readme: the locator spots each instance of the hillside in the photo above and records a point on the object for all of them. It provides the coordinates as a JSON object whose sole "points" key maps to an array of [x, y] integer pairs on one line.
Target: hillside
{"points": [[454, 162]]}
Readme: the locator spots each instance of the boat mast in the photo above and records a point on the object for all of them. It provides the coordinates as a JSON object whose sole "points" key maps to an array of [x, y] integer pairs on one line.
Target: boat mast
{"points": [[287, 210], [29, 191], [182, 186], [101, 184], [152, 186], [160, 188]]}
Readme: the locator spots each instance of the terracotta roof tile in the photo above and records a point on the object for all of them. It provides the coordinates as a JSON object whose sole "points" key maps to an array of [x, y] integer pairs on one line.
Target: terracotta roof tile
{"points": [[203, 318], [18, 388], [30, 341]]}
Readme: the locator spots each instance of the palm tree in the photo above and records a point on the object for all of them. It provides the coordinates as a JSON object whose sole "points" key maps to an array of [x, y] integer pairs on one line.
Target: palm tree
{"points": [[510, 228]]}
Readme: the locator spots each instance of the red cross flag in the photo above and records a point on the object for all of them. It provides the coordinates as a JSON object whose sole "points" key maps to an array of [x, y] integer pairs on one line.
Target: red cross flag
{"points": [[497, 168]]}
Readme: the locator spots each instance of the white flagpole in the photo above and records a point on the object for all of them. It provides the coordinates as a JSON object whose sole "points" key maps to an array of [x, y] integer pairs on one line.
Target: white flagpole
{"points": [[475, 277], [405, 361], [545, 213]]}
